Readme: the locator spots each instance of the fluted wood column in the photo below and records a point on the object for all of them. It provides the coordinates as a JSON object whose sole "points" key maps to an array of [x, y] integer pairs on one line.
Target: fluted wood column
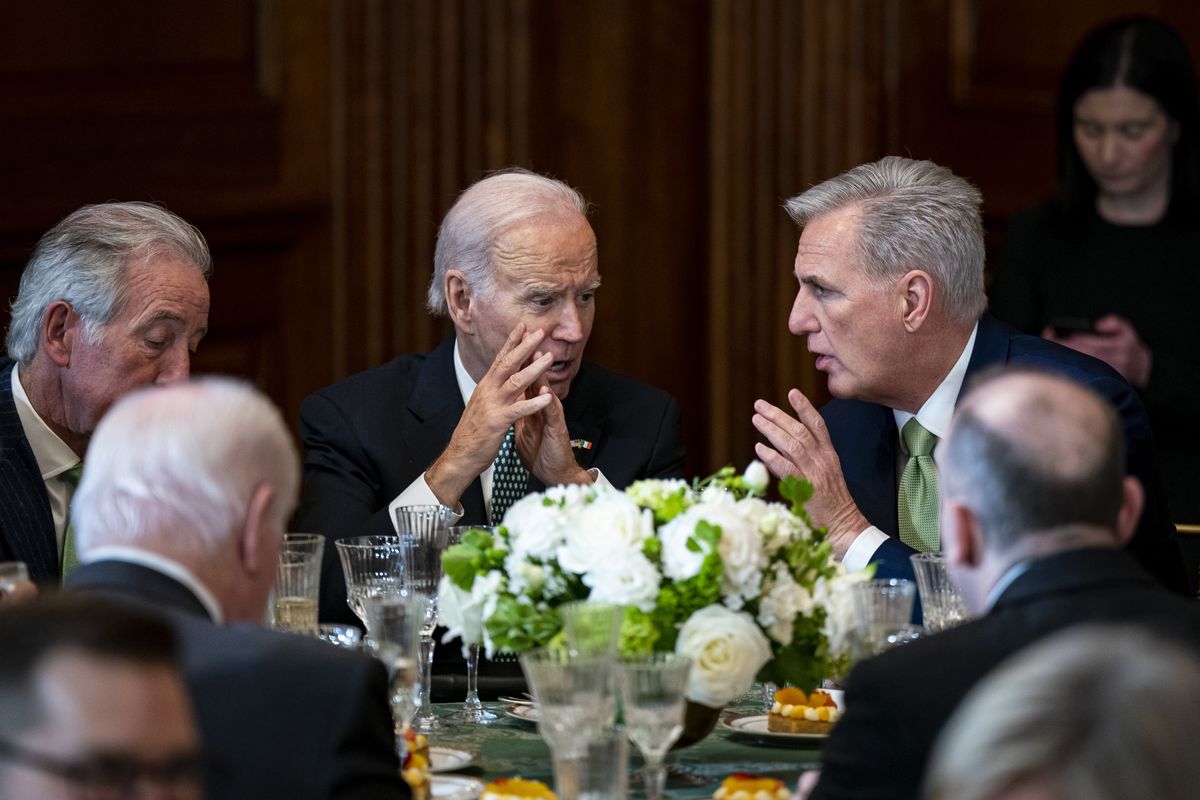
{"points": [[427, 95], [800, 92]]}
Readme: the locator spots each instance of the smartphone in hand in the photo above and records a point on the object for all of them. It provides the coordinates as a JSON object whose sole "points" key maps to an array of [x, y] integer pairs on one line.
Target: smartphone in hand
{"points": [[1065, 326]]}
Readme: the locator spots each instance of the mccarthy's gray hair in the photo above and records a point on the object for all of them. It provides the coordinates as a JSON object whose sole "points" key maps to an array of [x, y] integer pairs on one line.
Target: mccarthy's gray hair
{"points": [[1096, 713], [84, 260], [177, 465], [913, 215], [482, 214]]}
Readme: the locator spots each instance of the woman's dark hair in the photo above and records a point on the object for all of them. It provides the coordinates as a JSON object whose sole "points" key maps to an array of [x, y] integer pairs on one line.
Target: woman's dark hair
{"points": [[1147, 55]]}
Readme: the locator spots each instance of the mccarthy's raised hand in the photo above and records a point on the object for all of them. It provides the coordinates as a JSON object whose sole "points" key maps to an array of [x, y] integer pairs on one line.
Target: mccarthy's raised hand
{"points": [[499, 400], [801, 446]]}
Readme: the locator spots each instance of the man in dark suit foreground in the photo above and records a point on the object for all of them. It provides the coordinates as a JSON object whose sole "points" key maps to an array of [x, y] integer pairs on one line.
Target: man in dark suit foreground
{"points": [[891, 301], [92, 704], [181, 508], [114, 297], [1035, 508], [507, 402]]}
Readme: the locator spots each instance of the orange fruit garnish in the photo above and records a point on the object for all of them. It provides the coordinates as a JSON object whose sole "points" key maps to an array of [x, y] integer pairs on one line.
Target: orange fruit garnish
{"points": [[791, 696]]}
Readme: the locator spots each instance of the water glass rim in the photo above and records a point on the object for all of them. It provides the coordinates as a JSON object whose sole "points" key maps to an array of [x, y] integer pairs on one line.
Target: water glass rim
{"points": [[302, 537], [930, 557], [369, 542]]}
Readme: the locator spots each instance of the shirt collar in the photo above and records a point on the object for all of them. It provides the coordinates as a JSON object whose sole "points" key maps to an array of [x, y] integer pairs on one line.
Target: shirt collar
{"points": [[1007, 580], [52, 454], [935, 415], [160, 563], [466, 384]]}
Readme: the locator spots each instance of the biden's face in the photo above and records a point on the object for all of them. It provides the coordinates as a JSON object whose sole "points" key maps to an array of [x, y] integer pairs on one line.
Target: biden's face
{"points": [[545, 275], [853, 325]]}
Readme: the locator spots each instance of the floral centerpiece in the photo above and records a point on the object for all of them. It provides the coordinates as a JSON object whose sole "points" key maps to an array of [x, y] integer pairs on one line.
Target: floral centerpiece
{"points": [[745, 587]]}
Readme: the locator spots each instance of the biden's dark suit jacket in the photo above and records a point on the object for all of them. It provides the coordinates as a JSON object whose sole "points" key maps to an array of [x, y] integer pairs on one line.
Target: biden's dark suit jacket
{"points": [[26, 525], [898, 702], [368, 437], [866, 440], [280, 715]]}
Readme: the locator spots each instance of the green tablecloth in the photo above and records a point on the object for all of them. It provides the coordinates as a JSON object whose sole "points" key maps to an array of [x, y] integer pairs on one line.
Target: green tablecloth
{"points": [[510, 747]]}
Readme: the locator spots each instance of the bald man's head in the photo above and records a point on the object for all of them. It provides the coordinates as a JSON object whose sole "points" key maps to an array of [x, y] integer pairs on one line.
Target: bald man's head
{"points": [[1031, 452]]}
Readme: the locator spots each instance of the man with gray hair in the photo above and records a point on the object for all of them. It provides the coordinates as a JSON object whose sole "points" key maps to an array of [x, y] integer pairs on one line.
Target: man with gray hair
{"points": [[114, 297], [182, 507], [891, 301], [1036, 507], [506, 406]]}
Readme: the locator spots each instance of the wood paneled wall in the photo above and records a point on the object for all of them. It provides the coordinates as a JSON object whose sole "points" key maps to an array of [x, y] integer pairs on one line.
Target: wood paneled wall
{"points": [[318, 143]]}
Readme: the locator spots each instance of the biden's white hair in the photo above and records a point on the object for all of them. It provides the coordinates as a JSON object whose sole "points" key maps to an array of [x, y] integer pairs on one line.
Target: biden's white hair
{"points": [[486, 211]]}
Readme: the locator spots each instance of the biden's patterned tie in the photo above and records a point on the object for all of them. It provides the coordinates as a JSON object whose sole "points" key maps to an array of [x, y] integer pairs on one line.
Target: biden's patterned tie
{"points": [[918, 500], [69, 559], [510, 479]]}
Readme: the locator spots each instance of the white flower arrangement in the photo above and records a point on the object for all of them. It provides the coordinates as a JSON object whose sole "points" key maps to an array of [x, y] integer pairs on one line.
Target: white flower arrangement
{"points": [[744, 587]]}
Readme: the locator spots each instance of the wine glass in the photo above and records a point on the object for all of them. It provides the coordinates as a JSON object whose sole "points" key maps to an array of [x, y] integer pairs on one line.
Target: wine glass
{"points": [[395, 623], [423, 531], [472, 711], [374, 567], [652, 693]]}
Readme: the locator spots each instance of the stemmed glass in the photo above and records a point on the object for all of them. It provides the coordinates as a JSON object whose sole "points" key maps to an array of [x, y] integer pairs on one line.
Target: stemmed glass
{"points": [[394, 622], [373, 566], [941, 604], [424, 531], [652, 693], [472, 711]]}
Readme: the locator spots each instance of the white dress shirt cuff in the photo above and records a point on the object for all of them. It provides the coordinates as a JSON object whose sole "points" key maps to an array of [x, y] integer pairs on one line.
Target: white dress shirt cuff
{"points": [[418, 493], [858, 555], [599, 481]]}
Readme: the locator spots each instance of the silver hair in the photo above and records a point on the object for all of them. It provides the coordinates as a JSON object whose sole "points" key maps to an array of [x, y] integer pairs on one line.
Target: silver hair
{"points": [[913, 215], [176, 466], [1048, 716], [485, 212], [84, 260]]}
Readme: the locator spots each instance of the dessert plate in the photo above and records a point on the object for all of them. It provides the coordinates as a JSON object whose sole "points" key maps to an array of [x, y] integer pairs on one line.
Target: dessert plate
{"points": [[755, 726], [454, 787], [523, 713], [449, 759]]}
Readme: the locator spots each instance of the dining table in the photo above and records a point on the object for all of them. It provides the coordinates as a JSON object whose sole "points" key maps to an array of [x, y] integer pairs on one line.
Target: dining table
{"points": [[511, 747]]}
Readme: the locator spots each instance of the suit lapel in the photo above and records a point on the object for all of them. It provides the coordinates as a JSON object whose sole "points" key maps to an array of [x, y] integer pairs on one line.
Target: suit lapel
{"points": [[434, 409], [26, 524]]}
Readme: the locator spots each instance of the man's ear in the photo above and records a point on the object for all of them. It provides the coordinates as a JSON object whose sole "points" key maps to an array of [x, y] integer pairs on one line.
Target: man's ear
{"points": [[1133, 498], [458, 299], [962, 540], [258, 533], [61, 328], [916, 298]]}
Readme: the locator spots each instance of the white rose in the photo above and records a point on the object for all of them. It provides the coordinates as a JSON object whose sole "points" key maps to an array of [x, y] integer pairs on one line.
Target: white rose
{"points": [[534, 528], [836, 596], [679, 561], [727, 650], [628, 579], [524, 576], [756, 477], [462, 612], [782, 600], [744, 559], [610, 526]]}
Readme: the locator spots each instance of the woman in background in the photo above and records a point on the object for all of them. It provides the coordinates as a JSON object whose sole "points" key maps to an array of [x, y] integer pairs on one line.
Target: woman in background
{"points": [[1111, 266]]}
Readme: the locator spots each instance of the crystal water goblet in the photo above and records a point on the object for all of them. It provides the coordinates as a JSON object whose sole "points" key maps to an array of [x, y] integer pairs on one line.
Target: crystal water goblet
{"points": [[373, 566], [472, 711], [424, 531], [395, 624], [652, 695]]}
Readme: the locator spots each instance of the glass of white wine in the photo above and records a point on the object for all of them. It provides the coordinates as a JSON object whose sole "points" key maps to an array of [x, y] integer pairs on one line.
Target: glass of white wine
{"points": [[652, 694], [297, 585]]}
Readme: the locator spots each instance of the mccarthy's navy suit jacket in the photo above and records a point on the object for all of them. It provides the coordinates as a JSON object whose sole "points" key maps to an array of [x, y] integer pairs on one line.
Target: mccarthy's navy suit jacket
{"points": [[281, 715], [26, 524], [866, 440]]}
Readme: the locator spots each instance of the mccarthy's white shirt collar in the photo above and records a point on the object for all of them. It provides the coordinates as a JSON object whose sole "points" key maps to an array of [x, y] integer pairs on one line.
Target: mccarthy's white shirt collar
{"points": [[169, 567], [53, 455], [935, 415]]}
